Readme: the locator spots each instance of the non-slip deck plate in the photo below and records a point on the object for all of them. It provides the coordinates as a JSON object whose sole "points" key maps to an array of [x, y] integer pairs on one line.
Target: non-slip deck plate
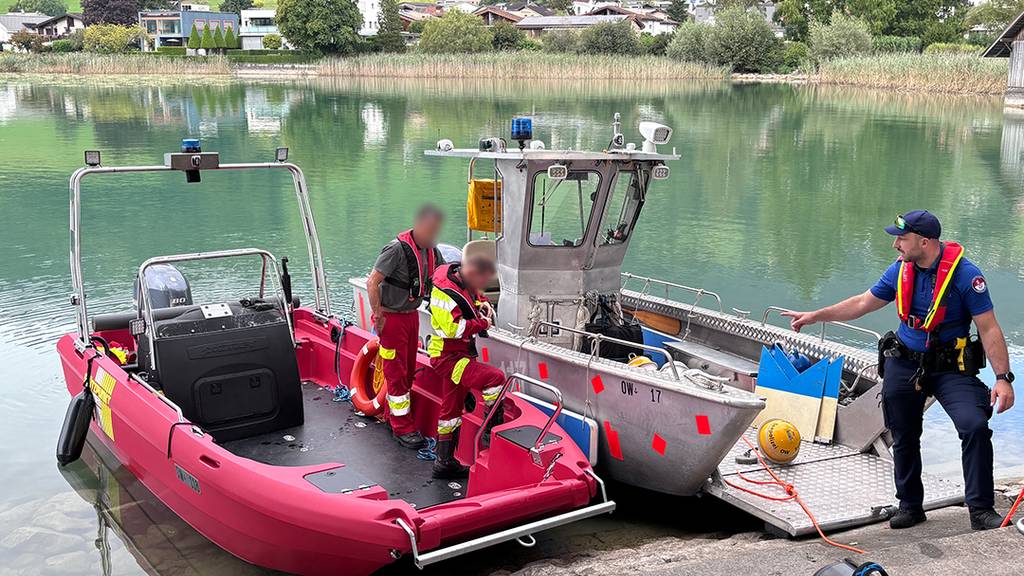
{"points": [[843, 488], [332, 433]]}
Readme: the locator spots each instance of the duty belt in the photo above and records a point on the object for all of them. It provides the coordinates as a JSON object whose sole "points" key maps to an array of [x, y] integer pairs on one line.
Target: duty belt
{"points": [[964, 355]]}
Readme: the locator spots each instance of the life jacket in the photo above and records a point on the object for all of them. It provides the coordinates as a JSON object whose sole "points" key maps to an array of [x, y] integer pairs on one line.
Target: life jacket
{"points": [[421, 275], [451, 306], [952, 253]]}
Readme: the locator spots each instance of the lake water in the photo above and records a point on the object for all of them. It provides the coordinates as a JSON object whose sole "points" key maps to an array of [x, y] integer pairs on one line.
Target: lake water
{"points": [[779, 199]]}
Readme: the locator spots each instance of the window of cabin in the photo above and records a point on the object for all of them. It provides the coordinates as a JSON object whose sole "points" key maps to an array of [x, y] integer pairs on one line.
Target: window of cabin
{"points": [[561, 208], [624, 202]]}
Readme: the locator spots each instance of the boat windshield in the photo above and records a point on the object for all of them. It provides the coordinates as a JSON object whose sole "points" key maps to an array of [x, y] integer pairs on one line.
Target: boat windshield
{"points": [[623, 206], [561, 209]]}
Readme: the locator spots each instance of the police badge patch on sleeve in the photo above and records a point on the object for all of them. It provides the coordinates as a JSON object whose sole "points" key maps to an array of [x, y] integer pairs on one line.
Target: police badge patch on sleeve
{"points": [[979, 285]]}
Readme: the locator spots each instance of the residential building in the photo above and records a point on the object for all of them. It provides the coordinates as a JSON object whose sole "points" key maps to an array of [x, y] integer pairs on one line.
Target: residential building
{"points": [[18, 22], [647, 20], [370, 9], [255, 24], [492, 15], [60, 26], [409, 16], [172, 28], [535, 26], [527, 9]]}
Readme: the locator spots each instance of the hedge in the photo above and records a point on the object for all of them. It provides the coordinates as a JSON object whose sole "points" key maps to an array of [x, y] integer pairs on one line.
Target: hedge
{"points": [[285, 58], [171, 50]]}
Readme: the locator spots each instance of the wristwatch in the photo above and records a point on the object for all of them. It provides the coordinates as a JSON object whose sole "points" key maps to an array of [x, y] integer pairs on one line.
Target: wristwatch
{"points": [[1009, 377]]}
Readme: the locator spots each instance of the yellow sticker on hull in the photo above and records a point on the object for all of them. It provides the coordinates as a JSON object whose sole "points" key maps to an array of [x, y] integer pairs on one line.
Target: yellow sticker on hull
{"points": [[103, 389]]}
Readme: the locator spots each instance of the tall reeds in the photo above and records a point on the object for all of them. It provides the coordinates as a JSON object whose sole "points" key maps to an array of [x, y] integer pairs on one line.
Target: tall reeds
{"points": [[111, 64], [949, 73]]}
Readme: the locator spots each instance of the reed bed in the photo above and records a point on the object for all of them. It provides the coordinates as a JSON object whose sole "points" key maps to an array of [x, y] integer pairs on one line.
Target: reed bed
{"points": [[948, 73], [111, 64], [532, 65]]}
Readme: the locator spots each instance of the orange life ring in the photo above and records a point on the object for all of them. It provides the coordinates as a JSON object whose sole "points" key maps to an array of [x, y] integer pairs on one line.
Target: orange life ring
{"points": [[369, 389]]}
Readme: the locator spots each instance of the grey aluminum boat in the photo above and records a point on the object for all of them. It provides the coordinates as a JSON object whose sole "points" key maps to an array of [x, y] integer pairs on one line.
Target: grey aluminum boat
{"points": [[564, 222]]}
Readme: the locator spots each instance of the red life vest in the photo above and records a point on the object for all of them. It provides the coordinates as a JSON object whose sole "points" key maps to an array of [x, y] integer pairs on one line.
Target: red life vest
{"points": [[420, 285], [952, 253]]}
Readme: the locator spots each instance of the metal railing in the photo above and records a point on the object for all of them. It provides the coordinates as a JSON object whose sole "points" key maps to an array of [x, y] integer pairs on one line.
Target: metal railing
{"points": [[872, 333], [700, 292], [598, 338], [555, 392]]}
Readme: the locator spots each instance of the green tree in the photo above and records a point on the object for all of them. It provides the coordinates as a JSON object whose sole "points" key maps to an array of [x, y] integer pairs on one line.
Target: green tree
{"points": [[218, 38], [744, 41], [389, 36], [456, 31], [235, 6], [879, 14], [207, 42], [995, 15], [27, 41], [272, 41], [679, 10], [688, 42], [610, 38], [416, 26], [113, 38], [792, 16], [48, 7], [194, 41], [561, 41], [110, 12], [843, 36], [507, 36], [230, 41], [329, 26]]}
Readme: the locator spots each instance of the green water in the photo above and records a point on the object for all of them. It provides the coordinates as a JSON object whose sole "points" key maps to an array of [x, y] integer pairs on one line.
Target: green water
{"points": [[779, 199]]}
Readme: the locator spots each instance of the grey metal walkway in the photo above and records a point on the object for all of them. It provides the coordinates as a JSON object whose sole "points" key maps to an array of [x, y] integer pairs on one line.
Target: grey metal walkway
{"points": [[842, 488]]}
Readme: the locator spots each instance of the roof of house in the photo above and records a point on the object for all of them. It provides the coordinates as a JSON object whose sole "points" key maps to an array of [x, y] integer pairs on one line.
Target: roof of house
{"points": [[15, 21], [1001, 47], [517, 6], [566, 21], [413, 15], [498, 12], [53, 19], [636, 14]]}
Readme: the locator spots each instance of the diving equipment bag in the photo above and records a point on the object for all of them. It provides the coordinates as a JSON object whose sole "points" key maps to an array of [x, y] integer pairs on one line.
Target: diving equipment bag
{"points": [[606, 322], [848, 568]]}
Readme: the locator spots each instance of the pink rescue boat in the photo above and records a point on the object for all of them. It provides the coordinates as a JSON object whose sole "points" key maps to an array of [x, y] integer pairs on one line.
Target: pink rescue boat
{"points": [[228, 412]]}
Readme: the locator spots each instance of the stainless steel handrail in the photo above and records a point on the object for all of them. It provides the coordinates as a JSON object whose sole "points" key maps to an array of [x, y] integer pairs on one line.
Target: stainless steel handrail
{"points": [[598, 338], [872, 333], [170, 403], [422, 560], [501, 396], [700, 292], [316, 264]]}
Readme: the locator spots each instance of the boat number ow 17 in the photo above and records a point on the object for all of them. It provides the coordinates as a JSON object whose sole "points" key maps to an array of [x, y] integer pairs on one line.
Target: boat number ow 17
{"points": [[631, 389]]}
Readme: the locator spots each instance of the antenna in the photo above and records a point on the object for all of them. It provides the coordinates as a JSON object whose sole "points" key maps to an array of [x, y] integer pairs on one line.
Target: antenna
{"points": [[617, 138]]}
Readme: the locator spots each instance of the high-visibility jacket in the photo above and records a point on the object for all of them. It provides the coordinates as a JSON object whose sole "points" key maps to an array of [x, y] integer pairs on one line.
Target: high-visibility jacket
{"points": [[454, 314], [952, 253]]}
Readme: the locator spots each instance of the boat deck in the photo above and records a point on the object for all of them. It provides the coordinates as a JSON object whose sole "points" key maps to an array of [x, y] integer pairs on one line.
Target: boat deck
{"points": [[842, 487], [332, 432]]}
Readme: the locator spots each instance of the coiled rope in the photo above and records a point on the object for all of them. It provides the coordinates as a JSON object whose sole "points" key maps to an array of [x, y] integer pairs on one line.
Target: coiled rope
{"points": [[427, 452]]}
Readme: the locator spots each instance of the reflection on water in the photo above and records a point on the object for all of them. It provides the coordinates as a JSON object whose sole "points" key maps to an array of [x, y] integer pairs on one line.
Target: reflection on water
{"points": [[778, 199]]}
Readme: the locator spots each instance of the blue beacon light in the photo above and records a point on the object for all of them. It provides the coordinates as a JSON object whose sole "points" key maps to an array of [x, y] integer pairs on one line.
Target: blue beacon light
{"points": [[190, 145], [522, 130]]}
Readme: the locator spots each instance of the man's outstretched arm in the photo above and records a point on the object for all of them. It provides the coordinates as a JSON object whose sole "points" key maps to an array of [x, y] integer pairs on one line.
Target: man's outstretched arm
{"points": [[850, 309]]}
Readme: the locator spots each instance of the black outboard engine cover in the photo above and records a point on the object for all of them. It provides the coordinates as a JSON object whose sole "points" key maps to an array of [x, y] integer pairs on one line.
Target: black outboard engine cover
{"points": [[167, 287]]}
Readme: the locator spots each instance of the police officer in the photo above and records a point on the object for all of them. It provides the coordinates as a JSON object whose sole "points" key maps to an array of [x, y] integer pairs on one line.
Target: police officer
{"points": [[398, 284], [938, 293]]}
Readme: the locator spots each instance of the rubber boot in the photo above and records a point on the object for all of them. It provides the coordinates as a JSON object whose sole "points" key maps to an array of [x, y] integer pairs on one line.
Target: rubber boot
{"points": [[498, 418], [985, 519], [412, 440], [446, 466], [906, 518]]}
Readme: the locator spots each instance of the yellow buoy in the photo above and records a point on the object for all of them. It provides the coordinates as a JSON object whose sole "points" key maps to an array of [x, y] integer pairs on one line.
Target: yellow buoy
{"points": [[779, 441]]}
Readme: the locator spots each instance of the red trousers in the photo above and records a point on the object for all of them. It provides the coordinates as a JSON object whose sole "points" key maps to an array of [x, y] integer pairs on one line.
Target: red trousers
{"points": [[398, 343], [459, 374]]}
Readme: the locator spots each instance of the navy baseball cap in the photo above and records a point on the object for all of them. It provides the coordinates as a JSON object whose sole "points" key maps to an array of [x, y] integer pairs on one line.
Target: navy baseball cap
{"points": [[920, 222]]}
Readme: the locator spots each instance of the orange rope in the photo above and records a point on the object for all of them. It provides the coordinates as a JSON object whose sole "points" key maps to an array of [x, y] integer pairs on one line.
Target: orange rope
{"points": [[1013, 509], [791, 494]]}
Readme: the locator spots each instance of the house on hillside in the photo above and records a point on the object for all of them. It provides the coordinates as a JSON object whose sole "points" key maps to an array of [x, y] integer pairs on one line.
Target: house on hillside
{"points": [[13, 22], [172, 27], [255, 24], [492, 15], [409, 16], [535, 26], [60, 26], [527, 9], [646, 21]]}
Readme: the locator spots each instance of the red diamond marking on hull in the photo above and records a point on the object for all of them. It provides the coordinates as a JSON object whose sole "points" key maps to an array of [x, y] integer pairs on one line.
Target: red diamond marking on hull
{"points": [[597, 384], [703, 426], [542, 369], [658, 444], [484, 355], [613, 441]]}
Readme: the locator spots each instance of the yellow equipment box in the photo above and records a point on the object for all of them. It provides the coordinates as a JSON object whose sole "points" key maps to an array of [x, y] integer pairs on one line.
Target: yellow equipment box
{"points": [[480, 205]]}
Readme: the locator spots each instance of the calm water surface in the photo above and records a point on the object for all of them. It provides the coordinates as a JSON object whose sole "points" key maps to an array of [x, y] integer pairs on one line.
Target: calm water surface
{"points": [[779, 199]]}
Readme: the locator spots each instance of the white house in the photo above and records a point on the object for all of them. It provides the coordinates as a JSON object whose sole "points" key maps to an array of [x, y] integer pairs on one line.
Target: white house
{"points": [[370, 9], [256, 23], [60, 26], [17, 22]]}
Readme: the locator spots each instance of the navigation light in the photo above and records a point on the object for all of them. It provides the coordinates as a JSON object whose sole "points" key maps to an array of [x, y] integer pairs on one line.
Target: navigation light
{"points": [[92, 157], [281, 154]]}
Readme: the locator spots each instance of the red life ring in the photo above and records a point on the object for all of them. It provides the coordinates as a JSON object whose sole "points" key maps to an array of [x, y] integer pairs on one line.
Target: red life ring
{"points": [[369, 389]]}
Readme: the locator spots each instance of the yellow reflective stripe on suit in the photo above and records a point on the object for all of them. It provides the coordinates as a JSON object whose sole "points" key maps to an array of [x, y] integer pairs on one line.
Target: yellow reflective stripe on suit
{"points": [[387, 353], [459, 368], [448, 426], [399, 405], [491, 394]]}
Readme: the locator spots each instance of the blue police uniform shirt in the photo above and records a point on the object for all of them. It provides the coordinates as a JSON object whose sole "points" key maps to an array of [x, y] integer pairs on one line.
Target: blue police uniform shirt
{"points": [[967, 296]]}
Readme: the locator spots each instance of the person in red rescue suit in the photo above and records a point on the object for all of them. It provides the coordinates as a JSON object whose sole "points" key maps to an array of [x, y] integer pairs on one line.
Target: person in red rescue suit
{"points": [[459, 312], [398, 284], [938, 293]]}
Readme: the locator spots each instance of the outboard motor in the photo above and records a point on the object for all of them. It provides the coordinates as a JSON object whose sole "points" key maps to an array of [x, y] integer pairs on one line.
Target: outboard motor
{"points": [[850, 568], [167, 288]]}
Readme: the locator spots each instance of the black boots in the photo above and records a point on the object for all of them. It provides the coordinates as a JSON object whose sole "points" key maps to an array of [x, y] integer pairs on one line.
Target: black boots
{"points": [[446, 466], [985, 519], [905, 518], [412, 440], [498, 418]]}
